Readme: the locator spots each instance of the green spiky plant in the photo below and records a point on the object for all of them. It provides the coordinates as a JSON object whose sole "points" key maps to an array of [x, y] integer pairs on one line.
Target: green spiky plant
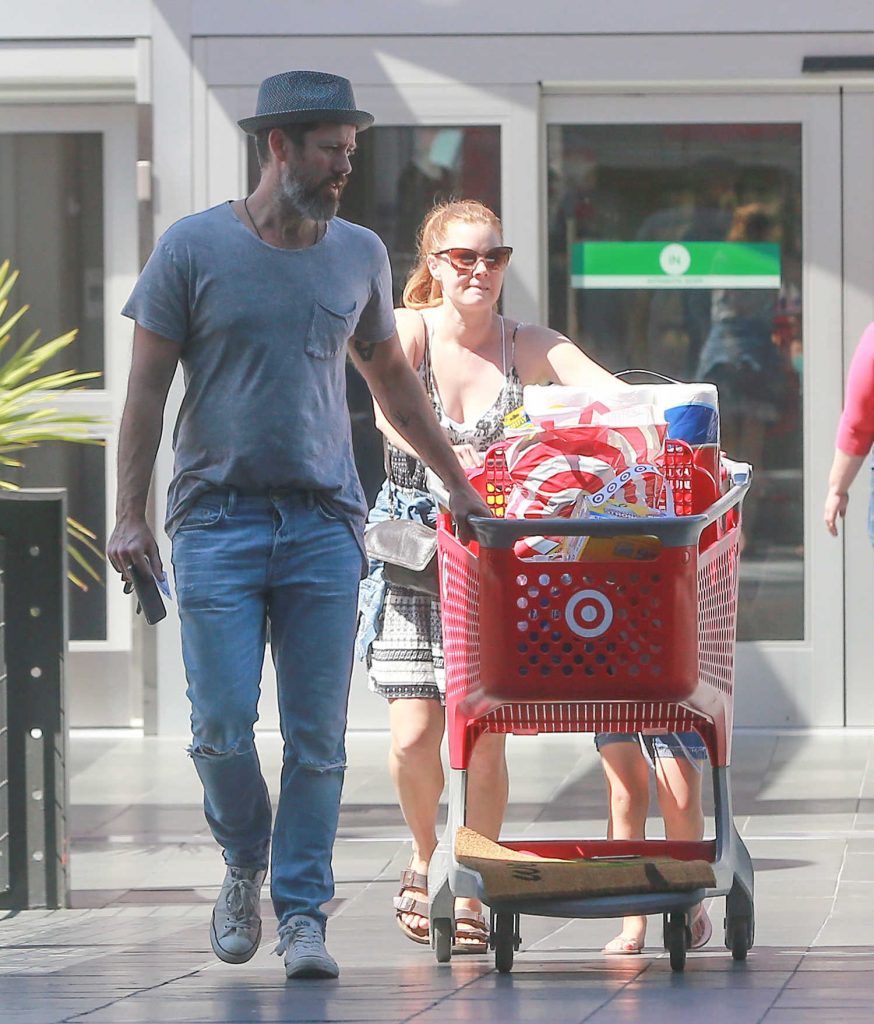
{"points": [[27, 419]]}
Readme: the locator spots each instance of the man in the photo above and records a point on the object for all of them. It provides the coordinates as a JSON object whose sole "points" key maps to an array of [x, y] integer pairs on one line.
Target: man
{"points": [[258, 298]]}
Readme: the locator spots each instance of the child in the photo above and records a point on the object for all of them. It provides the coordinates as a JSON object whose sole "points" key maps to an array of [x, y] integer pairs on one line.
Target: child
{"points": [[677, 760]]}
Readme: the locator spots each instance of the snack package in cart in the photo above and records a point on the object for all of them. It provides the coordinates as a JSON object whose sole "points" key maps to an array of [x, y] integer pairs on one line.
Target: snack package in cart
{"points": [[611, 502], [553, 471]]}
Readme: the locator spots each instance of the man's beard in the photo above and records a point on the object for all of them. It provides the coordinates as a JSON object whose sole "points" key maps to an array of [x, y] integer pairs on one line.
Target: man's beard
{"points": [[302, 198]]}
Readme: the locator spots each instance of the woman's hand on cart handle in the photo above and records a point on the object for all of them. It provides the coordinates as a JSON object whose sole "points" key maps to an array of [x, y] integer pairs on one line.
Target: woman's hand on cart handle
{"points": [[468, 456], [463, 503]]}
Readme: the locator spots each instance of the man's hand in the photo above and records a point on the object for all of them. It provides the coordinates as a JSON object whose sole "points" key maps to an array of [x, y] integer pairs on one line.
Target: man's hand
{"points": [[463, 502], [153, 365], [133, 543]]}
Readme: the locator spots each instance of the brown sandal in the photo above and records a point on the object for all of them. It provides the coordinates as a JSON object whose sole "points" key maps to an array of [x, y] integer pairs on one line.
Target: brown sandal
{"points": [[413, 881], [475, 933]]}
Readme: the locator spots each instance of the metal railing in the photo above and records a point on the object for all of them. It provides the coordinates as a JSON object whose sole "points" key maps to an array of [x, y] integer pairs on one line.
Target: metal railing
{"points": [[33, 639]]}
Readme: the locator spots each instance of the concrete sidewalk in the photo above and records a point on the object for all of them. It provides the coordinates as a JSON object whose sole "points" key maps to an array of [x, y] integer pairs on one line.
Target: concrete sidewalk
{"points": [[145, 871]]}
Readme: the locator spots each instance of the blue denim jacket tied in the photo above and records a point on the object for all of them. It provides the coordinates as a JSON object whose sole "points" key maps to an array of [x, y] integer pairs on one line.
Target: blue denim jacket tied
{"points": [[409, 504]]}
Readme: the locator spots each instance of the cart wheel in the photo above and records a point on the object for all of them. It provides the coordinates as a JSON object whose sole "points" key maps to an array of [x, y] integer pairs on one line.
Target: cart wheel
{"points": [[675, 941], [504, 939], [441, 929], [739, 936]]}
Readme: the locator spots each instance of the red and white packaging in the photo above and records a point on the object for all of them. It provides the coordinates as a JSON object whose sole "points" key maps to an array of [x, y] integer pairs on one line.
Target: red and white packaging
{"points": [[550, 469]]}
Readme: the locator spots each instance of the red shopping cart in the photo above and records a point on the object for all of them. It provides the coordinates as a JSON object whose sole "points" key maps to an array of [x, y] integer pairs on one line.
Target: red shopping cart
{"points": [[583, 646]]}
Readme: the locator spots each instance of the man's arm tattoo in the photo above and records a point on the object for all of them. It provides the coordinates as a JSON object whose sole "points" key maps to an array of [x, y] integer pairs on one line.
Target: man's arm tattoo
{"points": [[400, 419], [365, 349]]}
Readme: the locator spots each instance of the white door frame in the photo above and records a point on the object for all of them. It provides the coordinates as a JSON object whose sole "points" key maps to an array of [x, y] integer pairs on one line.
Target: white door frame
{"points": [[101, 681], [779, 683], [858, 205]]}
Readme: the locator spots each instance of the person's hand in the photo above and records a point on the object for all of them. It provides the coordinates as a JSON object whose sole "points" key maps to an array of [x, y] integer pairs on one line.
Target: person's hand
{"points": [[133, 543], [468, 456], [835, 507], [463, 502]]}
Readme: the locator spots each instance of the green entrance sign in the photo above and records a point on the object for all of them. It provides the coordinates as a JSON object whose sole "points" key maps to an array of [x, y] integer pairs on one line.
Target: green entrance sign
{"points": [[675, 265]]}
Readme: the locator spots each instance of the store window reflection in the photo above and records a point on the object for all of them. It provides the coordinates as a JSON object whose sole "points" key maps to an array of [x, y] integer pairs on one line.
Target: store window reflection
{"points": [[678, 248], [398, 174], [51, 230]]}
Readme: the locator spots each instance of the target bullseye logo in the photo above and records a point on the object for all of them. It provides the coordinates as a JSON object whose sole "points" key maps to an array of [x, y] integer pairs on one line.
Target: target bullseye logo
{"points": [[589, 613]]}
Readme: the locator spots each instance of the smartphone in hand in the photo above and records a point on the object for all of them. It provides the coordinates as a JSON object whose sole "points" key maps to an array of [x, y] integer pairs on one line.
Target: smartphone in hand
{"points": [[148, 595]]}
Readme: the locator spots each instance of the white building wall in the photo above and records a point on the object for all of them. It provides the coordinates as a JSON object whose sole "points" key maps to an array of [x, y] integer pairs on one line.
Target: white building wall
{"points": [[108, 19], [187, 57]]}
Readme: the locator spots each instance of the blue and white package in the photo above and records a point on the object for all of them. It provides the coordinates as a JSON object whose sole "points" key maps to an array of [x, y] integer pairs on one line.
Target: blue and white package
{"points": [[691, 412], [694, 423]]}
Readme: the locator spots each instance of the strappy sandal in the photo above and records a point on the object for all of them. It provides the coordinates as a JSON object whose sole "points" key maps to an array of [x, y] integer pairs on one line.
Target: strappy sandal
{"points": [[623, 945], [475, 932], [413, 881], [701, 928]]}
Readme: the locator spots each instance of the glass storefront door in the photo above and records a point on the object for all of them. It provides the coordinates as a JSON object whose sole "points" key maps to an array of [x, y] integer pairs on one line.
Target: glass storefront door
{"points": [[68, 223], [683, 238]]}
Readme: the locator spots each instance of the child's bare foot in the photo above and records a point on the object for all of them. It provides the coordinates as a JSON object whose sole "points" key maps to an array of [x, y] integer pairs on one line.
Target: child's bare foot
{"points": [[630, 940], [701, 927]]}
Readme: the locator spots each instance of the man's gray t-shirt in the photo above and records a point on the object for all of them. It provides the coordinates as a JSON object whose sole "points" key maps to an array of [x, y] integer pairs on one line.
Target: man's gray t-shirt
{"points": [[262, 334]]}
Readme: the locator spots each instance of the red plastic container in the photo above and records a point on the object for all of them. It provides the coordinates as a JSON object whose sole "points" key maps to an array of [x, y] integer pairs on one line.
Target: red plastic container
{"points": [[578, 646]]}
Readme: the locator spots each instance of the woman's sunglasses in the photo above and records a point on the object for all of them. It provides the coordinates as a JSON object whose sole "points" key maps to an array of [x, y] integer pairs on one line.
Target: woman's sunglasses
{"points": [[466, 260]]}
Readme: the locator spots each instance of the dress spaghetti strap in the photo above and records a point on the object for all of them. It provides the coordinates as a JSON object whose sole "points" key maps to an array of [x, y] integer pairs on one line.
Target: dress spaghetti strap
{"points": [[427, 373], [513, 350]]}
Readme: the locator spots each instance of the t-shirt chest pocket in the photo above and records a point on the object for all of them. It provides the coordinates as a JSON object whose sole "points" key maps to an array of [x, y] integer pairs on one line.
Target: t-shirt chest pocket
{"points": [[329, 331]]}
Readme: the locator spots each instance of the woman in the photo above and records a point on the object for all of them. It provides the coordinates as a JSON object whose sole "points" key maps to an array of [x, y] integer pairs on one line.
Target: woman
{"points": [[473, 363], [855, 436], [740, 357]]}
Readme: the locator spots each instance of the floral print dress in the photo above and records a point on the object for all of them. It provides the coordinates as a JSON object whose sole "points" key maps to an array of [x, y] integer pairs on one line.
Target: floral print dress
{"points": [[406, 657]]}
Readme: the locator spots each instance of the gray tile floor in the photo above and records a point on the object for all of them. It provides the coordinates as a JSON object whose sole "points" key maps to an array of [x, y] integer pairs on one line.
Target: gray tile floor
{"points": [[134, 946]]}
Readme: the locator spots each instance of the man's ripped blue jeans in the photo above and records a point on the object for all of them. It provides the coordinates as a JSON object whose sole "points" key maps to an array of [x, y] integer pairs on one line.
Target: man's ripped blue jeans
{"points": [[238, 561]]}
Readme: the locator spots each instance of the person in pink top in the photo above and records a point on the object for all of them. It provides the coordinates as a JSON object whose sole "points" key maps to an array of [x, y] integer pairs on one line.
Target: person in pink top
{"points": [[855, 433]]}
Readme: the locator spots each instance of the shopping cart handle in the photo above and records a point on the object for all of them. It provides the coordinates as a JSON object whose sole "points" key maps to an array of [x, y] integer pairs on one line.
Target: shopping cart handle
{"points": [[734, 495], [738, 472], [672, 531]]}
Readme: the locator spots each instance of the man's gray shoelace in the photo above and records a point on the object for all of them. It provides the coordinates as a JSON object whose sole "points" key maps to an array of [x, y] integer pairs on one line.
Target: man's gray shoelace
{"points": [[305, 935], [241, 901]]}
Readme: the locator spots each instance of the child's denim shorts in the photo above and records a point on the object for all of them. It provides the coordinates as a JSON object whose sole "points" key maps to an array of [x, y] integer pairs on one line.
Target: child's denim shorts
{"points": [[668, 744]]}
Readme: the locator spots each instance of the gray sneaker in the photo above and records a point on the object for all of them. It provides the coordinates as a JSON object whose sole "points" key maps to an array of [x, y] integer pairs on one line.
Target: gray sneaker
{"points": [[302, 941], [235, 930]]}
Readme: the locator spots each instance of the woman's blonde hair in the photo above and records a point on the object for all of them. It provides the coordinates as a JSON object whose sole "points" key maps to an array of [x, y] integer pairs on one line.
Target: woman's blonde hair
{"points": [[422, 290], [750, 223]]}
